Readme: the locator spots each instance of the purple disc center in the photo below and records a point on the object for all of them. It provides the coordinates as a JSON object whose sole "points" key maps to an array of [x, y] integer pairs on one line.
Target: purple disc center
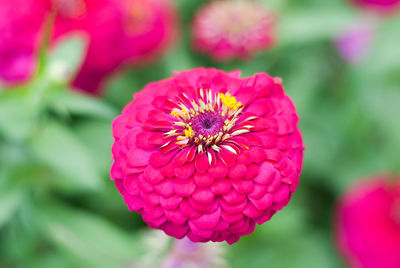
{"points": [[209, 123]]}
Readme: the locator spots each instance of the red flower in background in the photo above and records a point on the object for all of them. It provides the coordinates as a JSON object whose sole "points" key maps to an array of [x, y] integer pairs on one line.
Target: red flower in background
{"points": [[206, 154], [232, 29], [119, 32], [368, 224], [380, 6], [20, 21]]}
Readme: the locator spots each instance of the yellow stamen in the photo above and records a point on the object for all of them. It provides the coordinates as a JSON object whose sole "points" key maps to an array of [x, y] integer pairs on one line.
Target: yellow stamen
{"points": [[230, 101], [189, 132]]}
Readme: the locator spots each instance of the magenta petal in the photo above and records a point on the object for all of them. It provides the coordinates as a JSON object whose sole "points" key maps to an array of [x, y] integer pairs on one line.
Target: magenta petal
{"points": [[185, 171], [153, 175], [170, 202], [218, 171], [264, 202], [131, 184], [138, 157], [175, 216], [227, 157], [203, 196], [208, 221], [184, 187], [203, 180], [201, 163], [237, 172], [282, 193], [221, 186], [175, 230], [266, 173], [165, 188]]}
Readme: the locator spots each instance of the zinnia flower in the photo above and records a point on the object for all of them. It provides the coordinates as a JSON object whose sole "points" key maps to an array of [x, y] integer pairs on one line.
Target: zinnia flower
{"points": [[119, 32], [355, 43], [20, 21], [368, 224], [380, 6], [207, 155], [185, 253], [231, 29]]}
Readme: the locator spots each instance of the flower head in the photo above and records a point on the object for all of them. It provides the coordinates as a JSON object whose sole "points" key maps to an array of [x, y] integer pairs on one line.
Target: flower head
{"points": [[380, 6], [119, 32], [355, 43], [230, 29], [368, 224], [206, 155], [185, 253]]}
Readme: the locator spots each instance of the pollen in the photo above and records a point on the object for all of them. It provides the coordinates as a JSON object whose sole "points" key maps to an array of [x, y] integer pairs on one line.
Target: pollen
{"points": [[189, 132], [230, 101]]}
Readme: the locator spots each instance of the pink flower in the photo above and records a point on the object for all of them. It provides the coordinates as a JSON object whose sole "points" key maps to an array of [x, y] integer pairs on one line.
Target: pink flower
{"points": [[185, 253], [355, 43], [207, 155], [119, 32], [380, 6], [20, 21], [230, 29], [368, 224]]}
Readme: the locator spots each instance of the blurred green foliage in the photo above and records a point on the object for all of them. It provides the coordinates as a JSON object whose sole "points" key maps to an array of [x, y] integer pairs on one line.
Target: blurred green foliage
{"points": [[58, 207]]}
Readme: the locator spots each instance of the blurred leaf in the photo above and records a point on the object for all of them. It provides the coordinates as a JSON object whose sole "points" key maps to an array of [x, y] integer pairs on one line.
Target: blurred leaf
{"points": [[88, 237], [296, 27], [58, 148], [99, 146], [66, 58], [17, 115], [10, 200], [76, 103]]}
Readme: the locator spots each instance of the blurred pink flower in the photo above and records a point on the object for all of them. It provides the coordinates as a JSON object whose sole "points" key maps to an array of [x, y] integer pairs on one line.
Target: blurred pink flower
{"points": [[232, 29], [206, 154], [380, 6], [185, 253], [354, 43], [20, 21], [368, 224], [119, 32]]}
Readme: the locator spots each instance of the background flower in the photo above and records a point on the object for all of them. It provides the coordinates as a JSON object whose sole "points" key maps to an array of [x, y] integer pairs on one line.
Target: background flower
{"points": [[380, 6], [118, 32], [232, 29], [368, 224]]}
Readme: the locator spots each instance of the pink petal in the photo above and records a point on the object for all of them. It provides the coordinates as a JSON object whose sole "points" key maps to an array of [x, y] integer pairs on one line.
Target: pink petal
{"points": [[203, 196], [165, 188], [201, 163], [185, 171], [207, 221], [227, 157], [221, 186], [170, 202], [237, 172], [266, 173], [243, 186], [184, 187], [138, 157], [203, 180], [218, 171], [264, 202], [153, 175], [175, 230]]}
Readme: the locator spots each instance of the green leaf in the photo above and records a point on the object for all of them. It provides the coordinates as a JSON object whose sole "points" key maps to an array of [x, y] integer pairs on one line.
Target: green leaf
{"points": [[296, 27], [10, 200], [17, 115], [88, 237], [60, 149], [76, 103], [97, 136], [66, 58]]}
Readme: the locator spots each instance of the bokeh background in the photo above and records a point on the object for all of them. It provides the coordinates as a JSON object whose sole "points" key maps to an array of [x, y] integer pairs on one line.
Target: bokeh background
{"points": [[59, 208]]}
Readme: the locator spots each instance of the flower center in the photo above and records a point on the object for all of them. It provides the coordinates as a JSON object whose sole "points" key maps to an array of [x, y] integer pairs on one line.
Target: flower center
{"points": [[209, 123], [206, 122]]}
